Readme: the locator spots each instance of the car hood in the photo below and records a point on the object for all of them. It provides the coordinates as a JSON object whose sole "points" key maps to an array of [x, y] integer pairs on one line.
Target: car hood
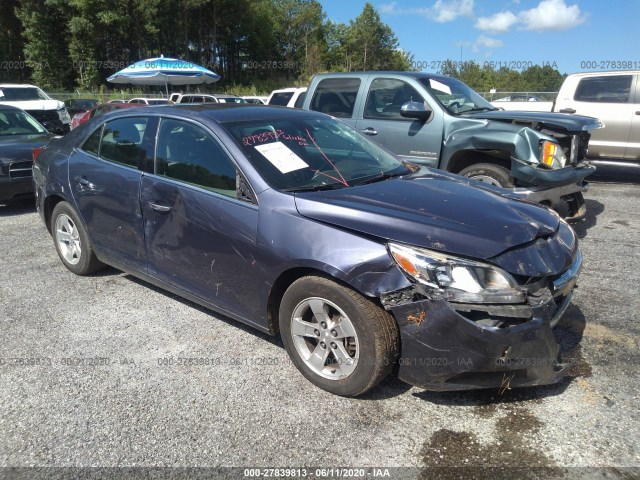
{"points": [[19, 147], [33, 105], [553, 121], [432, 211]]}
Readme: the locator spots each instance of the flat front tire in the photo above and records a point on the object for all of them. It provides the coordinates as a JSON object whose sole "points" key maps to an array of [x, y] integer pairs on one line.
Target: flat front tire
{"points": [[339, 340], [72, 242]]}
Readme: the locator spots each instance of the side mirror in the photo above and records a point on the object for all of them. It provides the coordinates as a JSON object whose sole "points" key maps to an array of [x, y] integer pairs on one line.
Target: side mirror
{"points": [[415, 110]]}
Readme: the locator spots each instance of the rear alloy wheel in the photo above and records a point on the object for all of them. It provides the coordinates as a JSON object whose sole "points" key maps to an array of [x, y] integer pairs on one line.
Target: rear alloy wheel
{"points": [[489, 173], [339, 340], [72, 242]]}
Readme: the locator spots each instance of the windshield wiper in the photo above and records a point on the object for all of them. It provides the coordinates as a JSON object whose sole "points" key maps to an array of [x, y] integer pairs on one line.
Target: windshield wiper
{"points": [[378, 178], [315, 188]]}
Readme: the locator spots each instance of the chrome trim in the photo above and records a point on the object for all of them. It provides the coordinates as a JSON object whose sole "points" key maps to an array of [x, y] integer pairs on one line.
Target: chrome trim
{"points": [[553, 195], [565, 282], [562, 308]]}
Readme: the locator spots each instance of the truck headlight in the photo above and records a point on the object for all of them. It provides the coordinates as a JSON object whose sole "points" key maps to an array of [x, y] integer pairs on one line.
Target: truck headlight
{"points": [[551, 155], [458, 279]]}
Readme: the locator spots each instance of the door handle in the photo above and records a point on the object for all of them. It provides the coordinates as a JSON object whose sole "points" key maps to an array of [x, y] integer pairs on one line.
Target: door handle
{"points": [[638, 112], [369, 131], [567, 110], [82, 181], [159, 208]]}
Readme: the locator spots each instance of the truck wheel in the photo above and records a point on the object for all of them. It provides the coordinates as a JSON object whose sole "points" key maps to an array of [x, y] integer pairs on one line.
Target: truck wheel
{"points": [[489, 173], [339, 340]]}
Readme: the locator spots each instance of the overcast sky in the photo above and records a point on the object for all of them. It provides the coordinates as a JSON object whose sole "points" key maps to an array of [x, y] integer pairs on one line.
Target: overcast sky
{"points": [[570, 35]]}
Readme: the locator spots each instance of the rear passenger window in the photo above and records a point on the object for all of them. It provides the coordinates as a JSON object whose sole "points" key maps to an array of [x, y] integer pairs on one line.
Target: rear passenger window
{"points": [[188, 153], [122, 141], [92, 144], [605, 89], [336, 96]]}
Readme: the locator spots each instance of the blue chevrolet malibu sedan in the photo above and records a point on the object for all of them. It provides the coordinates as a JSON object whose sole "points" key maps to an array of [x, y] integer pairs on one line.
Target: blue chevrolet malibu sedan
{"points": [[294, 223]]}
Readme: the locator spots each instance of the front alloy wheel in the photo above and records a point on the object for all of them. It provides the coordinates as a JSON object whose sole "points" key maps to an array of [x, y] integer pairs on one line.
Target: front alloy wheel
{"points": [[340, 340], [325, 338]]}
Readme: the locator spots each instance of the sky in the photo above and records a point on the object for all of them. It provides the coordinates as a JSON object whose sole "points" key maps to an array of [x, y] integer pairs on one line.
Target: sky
{"points": [[569, 35]]}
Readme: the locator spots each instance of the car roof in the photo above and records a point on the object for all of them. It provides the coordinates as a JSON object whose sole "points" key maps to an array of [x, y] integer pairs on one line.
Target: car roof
{"points": [[227, 112], [17, 85], [362, 74], [605, 73], [9, 108]]}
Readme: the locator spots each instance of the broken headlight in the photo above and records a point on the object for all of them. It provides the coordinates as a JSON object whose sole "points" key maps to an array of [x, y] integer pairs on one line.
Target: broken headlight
{"points": [[458, 279], [552, 155]]}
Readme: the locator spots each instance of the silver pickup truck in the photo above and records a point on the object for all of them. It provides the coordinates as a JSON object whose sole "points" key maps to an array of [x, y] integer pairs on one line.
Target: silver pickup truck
{"points": [[614, 98], [440, 122]]}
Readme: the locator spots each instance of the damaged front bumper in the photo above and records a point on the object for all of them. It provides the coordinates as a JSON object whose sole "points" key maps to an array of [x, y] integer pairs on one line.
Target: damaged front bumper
{"points": [[443, 348], [552, 187]]}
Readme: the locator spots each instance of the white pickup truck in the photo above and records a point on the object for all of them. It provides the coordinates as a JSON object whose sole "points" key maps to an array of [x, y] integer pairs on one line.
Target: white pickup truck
{"points": [[612, 97]]}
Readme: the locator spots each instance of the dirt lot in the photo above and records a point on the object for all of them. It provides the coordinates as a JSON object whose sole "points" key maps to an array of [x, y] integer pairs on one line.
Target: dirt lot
{"points": [[90, 376]]}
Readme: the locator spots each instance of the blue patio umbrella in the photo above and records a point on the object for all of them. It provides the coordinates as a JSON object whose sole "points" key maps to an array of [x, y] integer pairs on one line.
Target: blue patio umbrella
{"points": [[164, 71]]}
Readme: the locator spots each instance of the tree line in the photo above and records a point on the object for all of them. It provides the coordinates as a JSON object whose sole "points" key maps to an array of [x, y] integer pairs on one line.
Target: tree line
{"points": [[77, 44]]}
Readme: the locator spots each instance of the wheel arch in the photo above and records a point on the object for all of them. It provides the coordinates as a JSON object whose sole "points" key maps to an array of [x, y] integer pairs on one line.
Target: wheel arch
{"points": [[48, 205], [465, 158], [287, 277]]}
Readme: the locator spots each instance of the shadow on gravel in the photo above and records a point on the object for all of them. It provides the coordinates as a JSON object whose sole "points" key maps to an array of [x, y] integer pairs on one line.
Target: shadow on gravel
{"points": [[17, 207], [594, 208], [235, 323]]}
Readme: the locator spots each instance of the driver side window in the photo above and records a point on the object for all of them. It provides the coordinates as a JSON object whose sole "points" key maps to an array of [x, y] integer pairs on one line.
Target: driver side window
{"points": [[187, 153], [386, 96]]}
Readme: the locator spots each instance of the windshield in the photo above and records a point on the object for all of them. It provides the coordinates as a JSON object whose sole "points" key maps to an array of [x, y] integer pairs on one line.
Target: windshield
{"points": [[19, 123], [455, 96], [18, 94], [312, 154], [158, 102]]}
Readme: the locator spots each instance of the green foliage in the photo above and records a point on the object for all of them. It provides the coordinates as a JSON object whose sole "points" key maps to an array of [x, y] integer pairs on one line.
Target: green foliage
{"points": [[485, 78], [255, 45], [46, 38], [372, 45]]}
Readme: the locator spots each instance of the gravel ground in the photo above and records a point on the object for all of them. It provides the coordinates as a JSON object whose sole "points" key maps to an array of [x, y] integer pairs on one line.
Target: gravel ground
{"points": [[89, 378]]}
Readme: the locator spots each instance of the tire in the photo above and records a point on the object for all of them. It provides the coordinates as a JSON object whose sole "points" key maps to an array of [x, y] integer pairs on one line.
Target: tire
{"points": [[72, 242], [489, 173], [339, 340]]}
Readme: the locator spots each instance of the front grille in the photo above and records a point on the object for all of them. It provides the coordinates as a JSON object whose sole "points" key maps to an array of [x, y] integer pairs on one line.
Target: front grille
{"points": [[20, 169], [44, 115]]}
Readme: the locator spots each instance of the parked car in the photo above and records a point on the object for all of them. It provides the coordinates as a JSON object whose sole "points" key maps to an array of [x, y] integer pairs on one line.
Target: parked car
{"points": [[288, 97], [258, 100], [440, 122], [80, 118], [52, 114], [149, 101], [80, 105], [292, 222], [196, 98], [614, 98], [224, 98], [519, 98], [117, 100], [20, 134]]}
